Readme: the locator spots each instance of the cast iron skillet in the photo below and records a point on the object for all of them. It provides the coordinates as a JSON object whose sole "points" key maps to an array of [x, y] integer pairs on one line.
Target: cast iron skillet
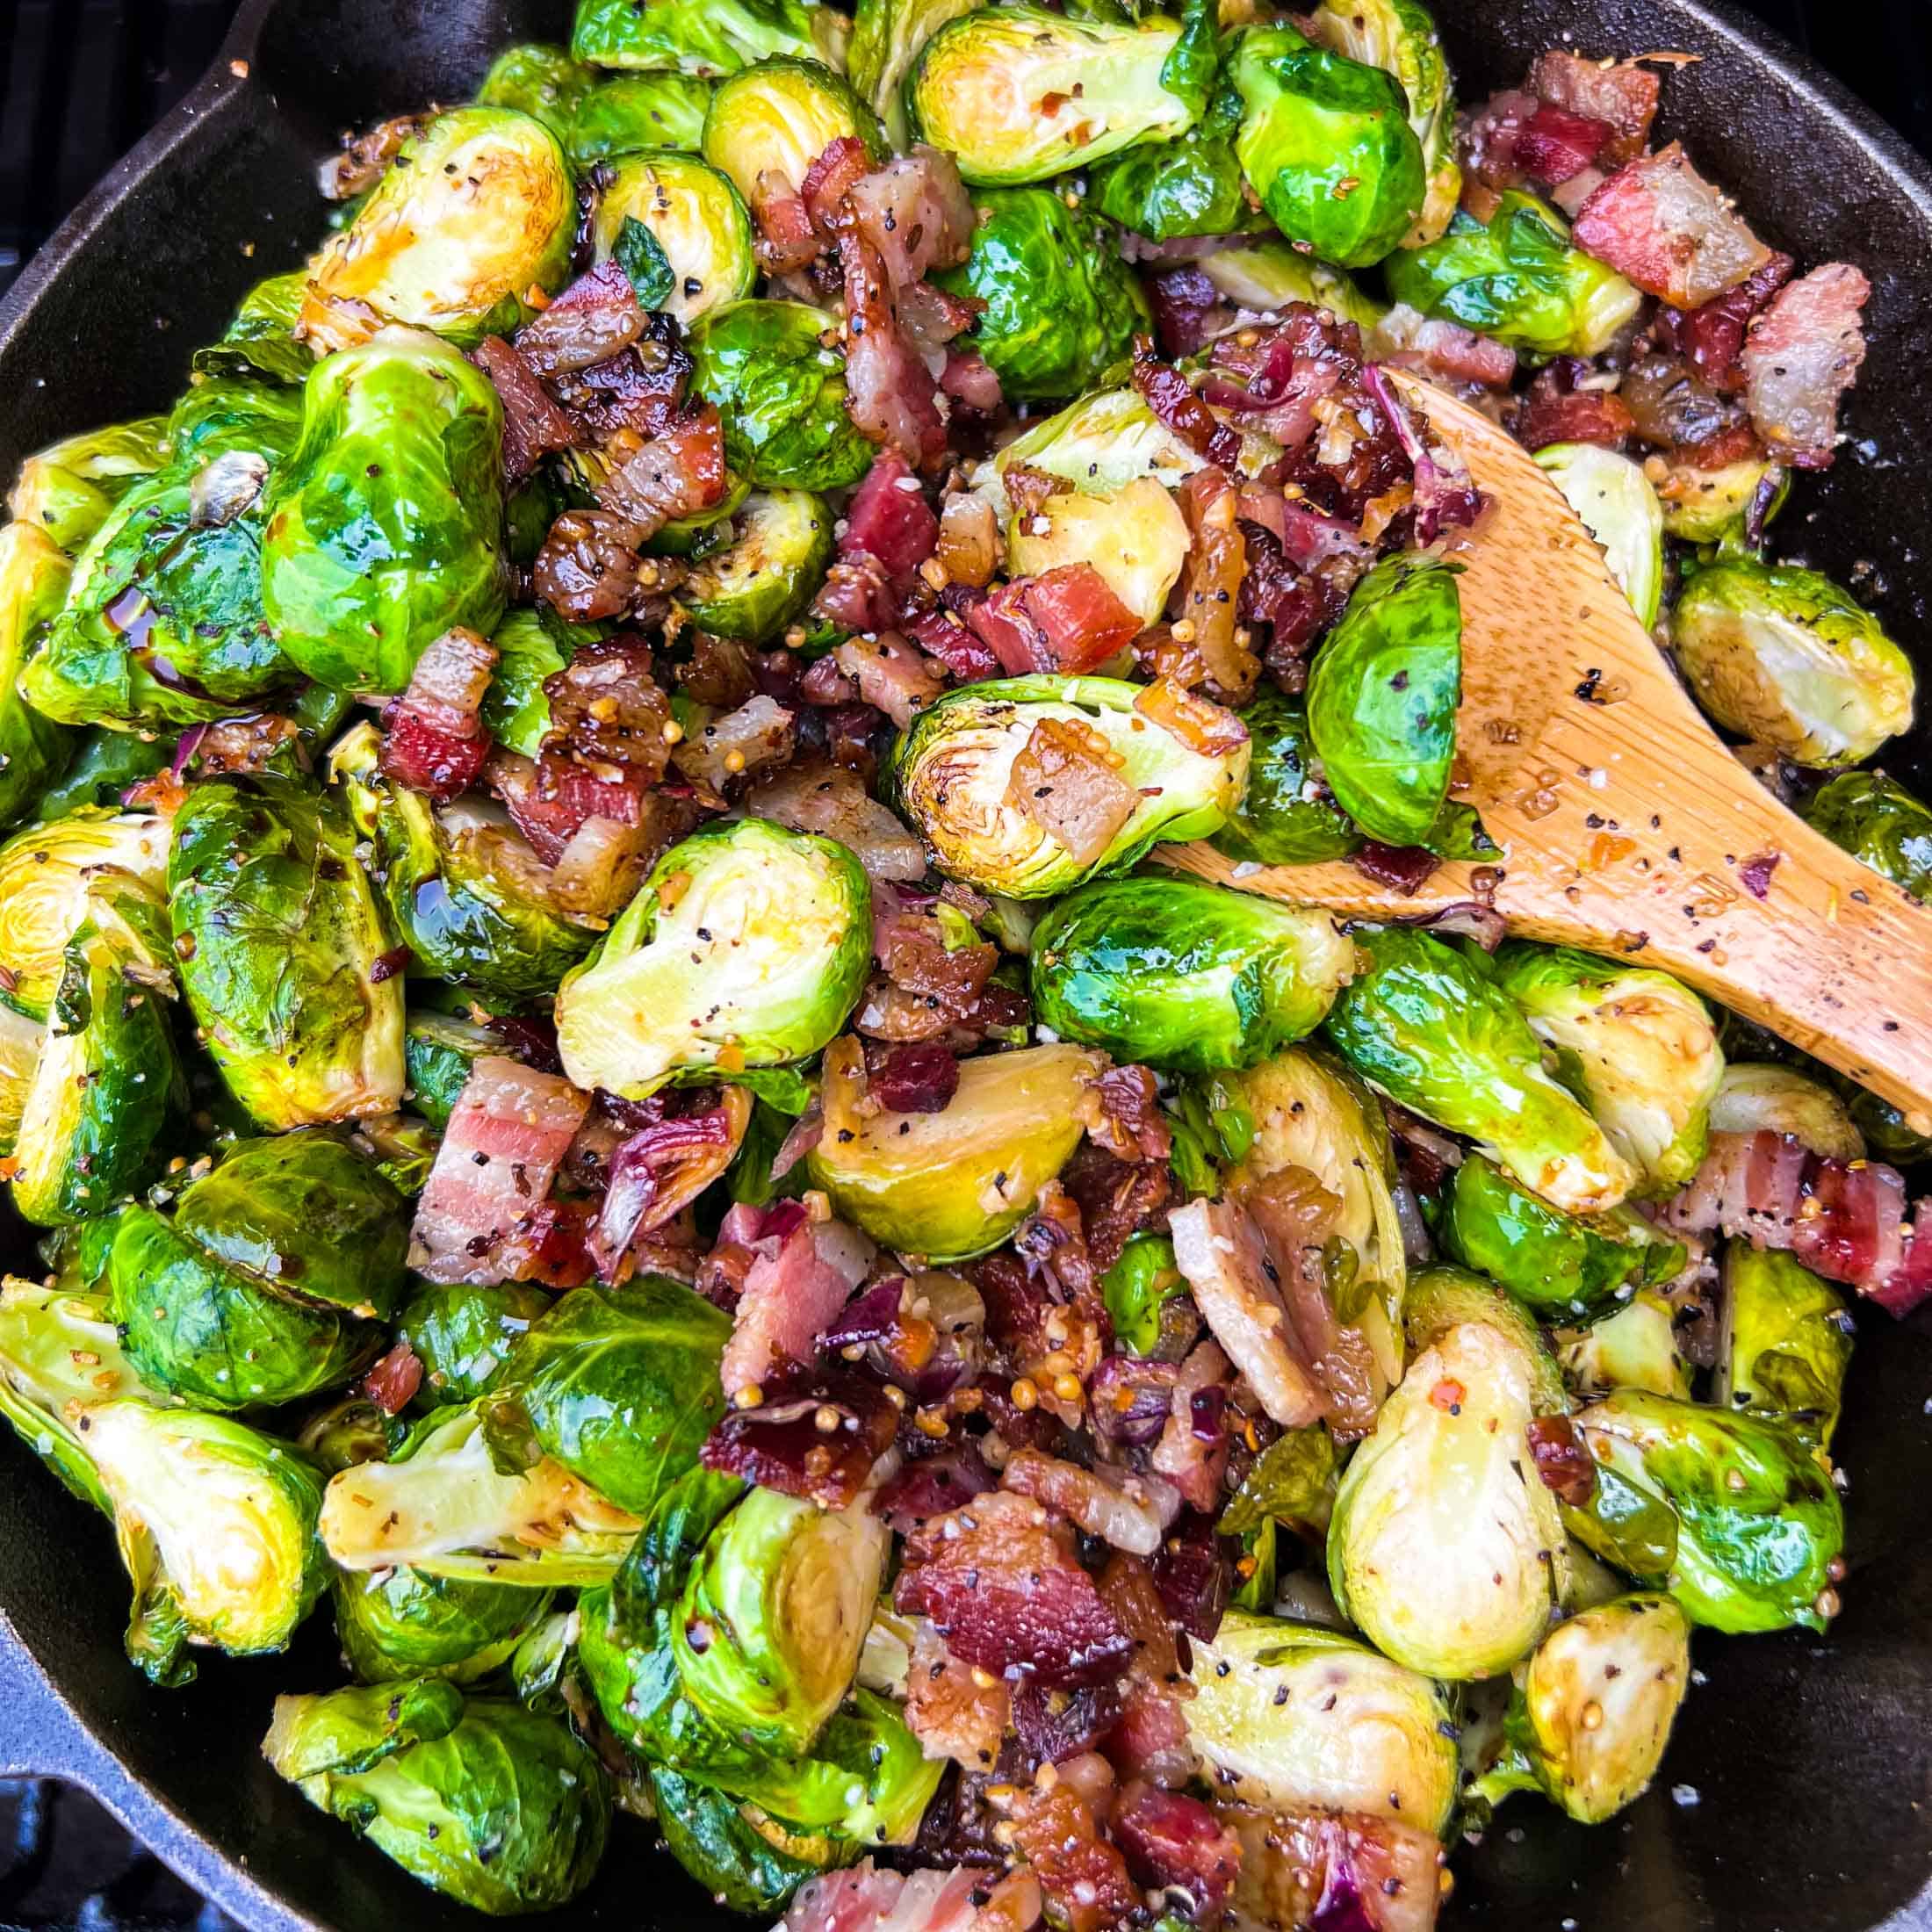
{"points": [[1808, 1759]]}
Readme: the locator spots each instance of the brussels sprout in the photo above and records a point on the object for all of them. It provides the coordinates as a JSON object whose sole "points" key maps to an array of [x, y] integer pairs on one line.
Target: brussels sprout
{"points": [[442, 1506], [1105, 442], [705, 37], [1015, 93], [1267, 276], [1058, 305], [1138, 1287], [1518, 280], [1638, 1046], [475, 211], [953, 773], [33, 582], [694, 215], [1136, 538], [1441, 1550], [1784, 657], [635, 112], [1439, 1037], [530, 645], [1192, 186], [769, 122], [1618, 506], [499, 1807], [1287, 817], [1636, 1347], [385, 527], [1325, 141], [20, 1042], [465, 1335], [1561, 1266], [747, 947], [540, 81], [888, 36], [1785, 1342], [724, 1845], [762, 579], [1399, 37], [1732, 1513], [66, 490], [106, 766], [277, 937], [1382, 697], [953, 1183], [1759, 1097], [1711, 506], [781, 393], [1292, 1716], [399, 1621], [348, 1431], [222, 416], [1184, 974], [216, 1524], [1444, 1297], [262, 343], [1881, 824], [438, 1051]]}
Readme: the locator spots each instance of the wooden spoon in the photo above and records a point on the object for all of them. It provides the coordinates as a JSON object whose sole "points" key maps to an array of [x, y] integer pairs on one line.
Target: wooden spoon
{"points": [[1627, 827]]}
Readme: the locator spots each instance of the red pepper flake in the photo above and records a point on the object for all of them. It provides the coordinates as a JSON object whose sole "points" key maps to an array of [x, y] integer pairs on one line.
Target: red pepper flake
{"points": [[1448, 1394]]}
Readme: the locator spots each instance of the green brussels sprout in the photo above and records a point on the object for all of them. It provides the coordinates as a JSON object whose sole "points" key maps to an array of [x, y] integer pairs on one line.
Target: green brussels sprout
{"points": [[1784, 657], [888, 36], [770, 122], [952, 769], [385, 527], [725, 1845], [1325, 141], [1292, 1716], [1588, 1723], [1733, 1514], [278, 937], [475, 211], [765, 577], [541, 81], [635, 112], [1518, 280], [217, 416], [705, 37], [1192, 186], [1107, 441], [781, 393], [619, 1385], [1017, 94], [1618, 506], [1636, 1347], [441, 1505], [1058, 305], [954, 1183], [398, 1621], [1184, 974], [1270, 275], [499, 1807], [348, 1431], [464, 1335], [530, 645], [261, 343], [1442, 1298], [1382, 697], [105, 764], [1762, 1097], [66, 490], [1784, 1344], [1562, 1268], [1880, 824], [694, 215], [1143, 1281], [1436, 1034], [1704, 506], [1135, 537], [20, 1042], [34, 574], [1638, 1046], [1286, 818], [438, 1051], [106, 1084], [1399, 37], [1441, 1550]]}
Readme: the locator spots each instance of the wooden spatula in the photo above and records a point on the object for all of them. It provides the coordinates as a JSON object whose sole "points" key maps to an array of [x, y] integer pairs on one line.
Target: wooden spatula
{"points": [[1627, 827]]}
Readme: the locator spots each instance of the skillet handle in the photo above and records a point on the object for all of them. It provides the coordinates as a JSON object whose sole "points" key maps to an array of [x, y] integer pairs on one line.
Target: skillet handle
{"points": [[39, 1736]]}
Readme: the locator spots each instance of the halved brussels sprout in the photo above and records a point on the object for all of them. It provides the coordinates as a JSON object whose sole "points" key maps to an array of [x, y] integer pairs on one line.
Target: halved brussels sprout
{"points": [[20, 1042], [953, 1183], [464, 1334], [705, 37], [694, 215], [499, 1807], [1518, 280], [635, 111], [1104, 443], [1325, 141], [66, 490], [781, 393], [1143, 1281], [1286, 818], [1758, 1097], [1711, 506], [1636, 1347], [538, 80], [474, 212], [1784, 657], [770, 122], [400, 1622], [1785, 1342], [1267, 276], [1184, 974], [756, 584], [34, 574], [1187, 186], [1442, 1298], [1136, 538], [278, 939], [1733, 1514], [1640, 1048], [953, 772], [1445, 1549], [1439, 1036], [1015, 93], [747, 947], [1382, 697], [385, 527], [1881, 824], [887, 38], [743, 1858], [1618, 507], [1058, 305]]}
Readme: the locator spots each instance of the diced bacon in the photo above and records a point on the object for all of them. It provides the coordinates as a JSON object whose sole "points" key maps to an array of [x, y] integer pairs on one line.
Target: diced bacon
{"points": [[434, 741], [392, 1384], [1055, 1725], [968, 546], [1150, 1742], [1065, 785], [828, 800], [915, 214], [1660, 224], [678, 472], [1334, 1871], [819, 1434], [1799, 358], [1173, 1840], [1210, 729], [1554, 145], [422, 759], [507, 1133], [968, 379], [1622, 93], [1712, 338], [1554, 410], [954, 1710], [588, 568], [605, 706], [661, 1170], [1211, 582], [830, 177], [888, 519], [888, 391], [1129, 1511], [533, 425], [932, 1486], [891, 676], [864, 1899], [856, 596], [1127, 1119], [1193, 1450], [1175, 401], [1486, 140], [738, 745], [964, 652], [597, 317], [786, 239], [930, 317], [789, 1298], [1083, 1877], [1448, 349]]}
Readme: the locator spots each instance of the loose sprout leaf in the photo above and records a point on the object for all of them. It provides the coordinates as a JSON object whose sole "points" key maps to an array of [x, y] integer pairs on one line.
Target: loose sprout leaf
{"points": [[641, 256], [1293, 1480]]}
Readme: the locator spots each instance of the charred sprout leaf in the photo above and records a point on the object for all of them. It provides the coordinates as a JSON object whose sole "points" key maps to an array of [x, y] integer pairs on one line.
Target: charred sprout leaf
{"points": [[705, 37], [679, 230], [465, 1335], [635, 112], [1880, 823], [1293, 1480], [1285, 817], [1139, 1285], [399, 1621], [1785, 1342], [1618, 507], [66, 490], [34, 574]]}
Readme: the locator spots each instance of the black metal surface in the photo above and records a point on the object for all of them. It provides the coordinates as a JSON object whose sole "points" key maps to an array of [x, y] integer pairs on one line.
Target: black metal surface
{"points": [[1792, 1797]]}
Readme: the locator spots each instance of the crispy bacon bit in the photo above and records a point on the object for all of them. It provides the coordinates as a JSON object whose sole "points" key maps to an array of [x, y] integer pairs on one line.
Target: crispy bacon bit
{"points": [[392, 1384], [597, 317], [1334, 1871], [1055, 1725], [1173, 1840], [968, 379], [1211, 730], [1194, 1575], [434, 739], [789, 1298], [889, 520], [1150, 1740], [786, 238], [1067, 619], [1127, 1121], [1660, 224], [1082, 1878], [828, 180], [1554, 410], [819, 1435], [915, 213], [1443, 348], [365, 159], [740, 744], [1623, 93], [816, 797], [1170, 396], [890, 675], [1561, 1459], [1405, 870], [1553, 145], [678, 472], [888, 392], [1193, 1449], [1799, 358], [1711, 338], [606, 707], [1062, 781], [955, 1710], [533, 425], [589, 568], [1216, 563]]}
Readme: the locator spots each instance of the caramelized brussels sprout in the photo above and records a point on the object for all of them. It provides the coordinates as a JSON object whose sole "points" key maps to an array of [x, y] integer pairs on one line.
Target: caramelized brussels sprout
{"points": [[1270, 275], [705, 37], [767, 574], [1701, 505], [1762, 1097], [769, 122], [1188, 186], [464, 1335], [695, 216], [1881, 824], [887, 38], [1618, 507], [33, 583], [541, 81], [66, 490], [1633, 1347], [1136, 538], [635, 111], [1785, 1345], [399, 1621], [1442, 1298], [1107, 441], [1285, 817]]}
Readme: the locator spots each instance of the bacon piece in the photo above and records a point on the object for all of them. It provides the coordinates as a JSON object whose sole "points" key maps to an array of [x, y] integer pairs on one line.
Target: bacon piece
{"points": [[1066, 619], [825, 798], [889, 520], [1711, 338], [661, 1170], [968, 545], [1000, 1579], [1554, 145], [533, 425], [862, 1898], [1064, 785], [1055, 1725], [605, 706], [968, 379], [827, 180], [1150, 1740], [954, 1710], [1622, 93], [1193, 1449], [1660, 224], [915, 214], [738, 745], [678, 472], [1446, 348], [1082, 1877], [1334, 1871], [392, 1384], [597, 317], [1173, 1840], [891, 676], [1211, 583], [365, 158], [786, 239], [932, 1486], [589, 568], [819, 1435], [914, 1078], [1128, 1511], [1554, 410], [1799, 358], [789, 1298], [1174, 399], [507, 1133], [434, 738], [1127, 1121], [888, 391]]}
